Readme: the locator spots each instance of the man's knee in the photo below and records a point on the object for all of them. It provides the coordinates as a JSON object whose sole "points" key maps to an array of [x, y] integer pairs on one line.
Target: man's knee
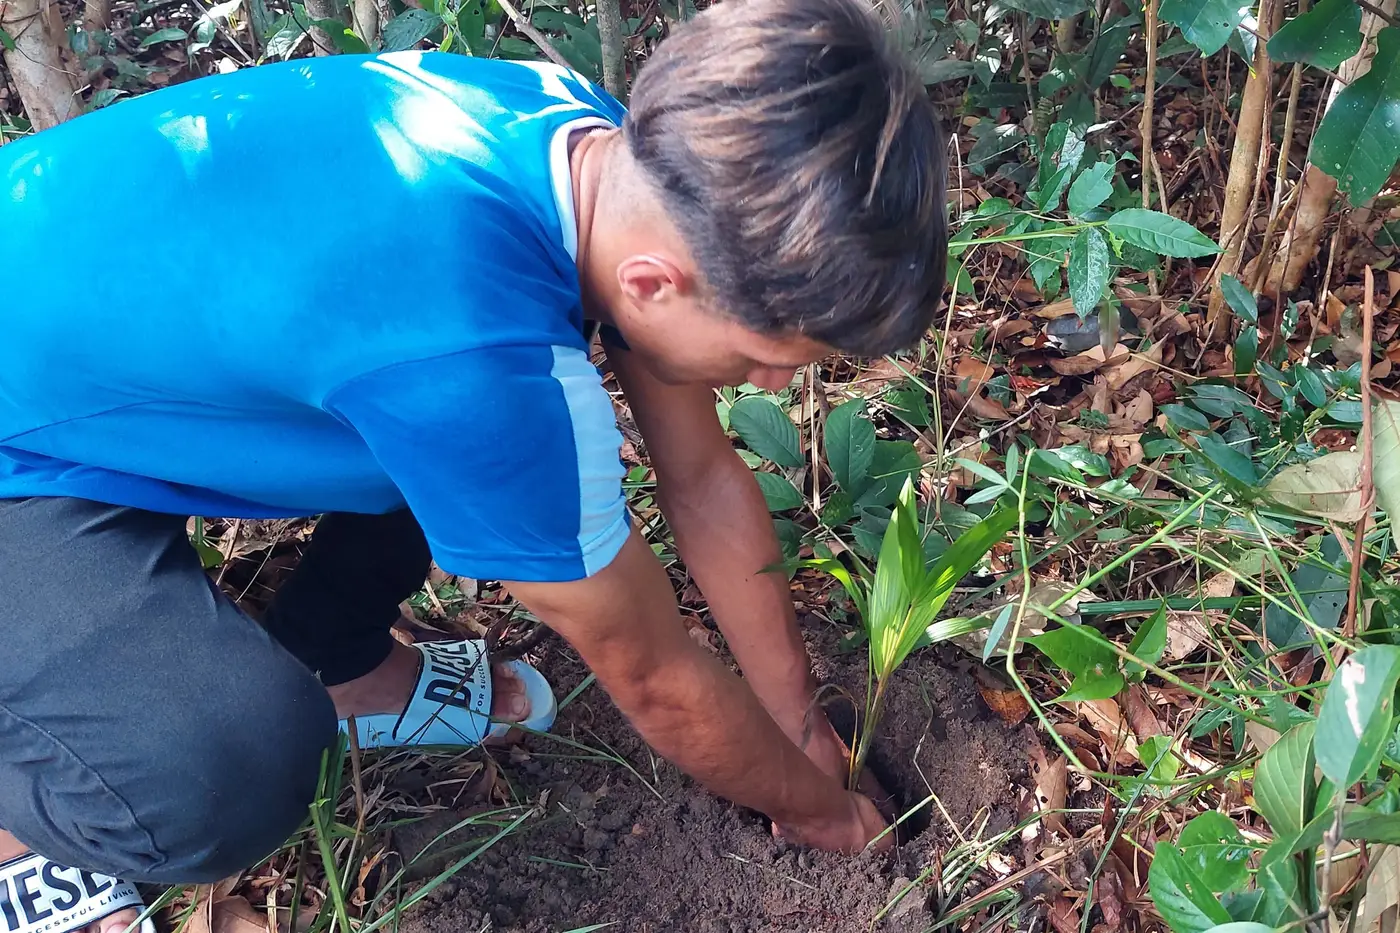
{"points": [[192, 796]]}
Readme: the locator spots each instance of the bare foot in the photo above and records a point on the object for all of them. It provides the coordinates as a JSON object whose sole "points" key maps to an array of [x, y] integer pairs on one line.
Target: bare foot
{"points": [[10, 847], [388, 687]]}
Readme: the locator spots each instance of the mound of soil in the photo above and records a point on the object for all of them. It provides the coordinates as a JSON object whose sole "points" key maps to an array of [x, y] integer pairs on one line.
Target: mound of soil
{"points": [[652, 851]]}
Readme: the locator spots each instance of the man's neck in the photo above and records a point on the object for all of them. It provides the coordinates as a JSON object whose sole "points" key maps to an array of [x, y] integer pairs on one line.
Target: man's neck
{"points": [[588, 156]]}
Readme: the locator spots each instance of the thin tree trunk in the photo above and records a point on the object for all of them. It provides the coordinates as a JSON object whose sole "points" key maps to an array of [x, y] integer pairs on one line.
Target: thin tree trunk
{"points": [[365, 17], [318, 10], [610, 35], [1235, 219], [47, 87], [1299, 245], [1065, 30]]}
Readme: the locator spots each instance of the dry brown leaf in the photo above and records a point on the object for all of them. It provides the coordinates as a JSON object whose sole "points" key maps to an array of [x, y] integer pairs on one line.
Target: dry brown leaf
{"points": [[226, 915], [1186, 629], [1050, 787], [1120, 374], [1107, 720], [1262, 736], [1090, 361], [988, 409], [1054, 309], [701, 635], [1139, 409], [1382, 890], [1064, 918], [1008, 703], [970, 373]]}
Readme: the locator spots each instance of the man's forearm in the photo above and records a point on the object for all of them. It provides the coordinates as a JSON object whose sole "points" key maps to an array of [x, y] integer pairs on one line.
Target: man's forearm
{"points": [[725, 535]]}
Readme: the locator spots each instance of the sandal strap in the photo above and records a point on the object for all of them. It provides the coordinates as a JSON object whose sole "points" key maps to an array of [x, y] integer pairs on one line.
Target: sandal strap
{"points": [[450, 704], [41, 896]]}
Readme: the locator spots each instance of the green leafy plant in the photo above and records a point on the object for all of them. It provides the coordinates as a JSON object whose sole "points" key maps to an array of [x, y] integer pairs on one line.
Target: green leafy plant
{"points": [[899, 601], [1204, 882]]}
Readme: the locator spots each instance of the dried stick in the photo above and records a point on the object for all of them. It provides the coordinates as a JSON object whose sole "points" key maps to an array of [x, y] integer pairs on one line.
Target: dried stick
{"points": [[528, 30], [1366, 480]]}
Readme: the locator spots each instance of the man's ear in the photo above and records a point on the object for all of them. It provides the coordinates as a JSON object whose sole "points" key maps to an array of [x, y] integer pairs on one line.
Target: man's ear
{"points": [[648, 279]]}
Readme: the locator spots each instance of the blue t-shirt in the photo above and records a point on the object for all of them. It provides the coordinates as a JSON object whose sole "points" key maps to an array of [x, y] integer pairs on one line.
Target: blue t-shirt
{"points": [[341, 284]]}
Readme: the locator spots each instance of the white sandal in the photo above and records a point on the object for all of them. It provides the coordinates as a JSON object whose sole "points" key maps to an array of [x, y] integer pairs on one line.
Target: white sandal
{"points": [[41, 896], [451, 703]]}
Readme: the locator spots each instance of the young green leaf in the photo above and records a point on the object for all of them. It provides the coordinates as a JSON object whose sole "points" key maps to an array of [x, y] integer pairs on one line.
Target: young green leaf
{"points": [[1186, 419], [1091, 188], [780, 494], [409, 28], [1161, 233], [168, 34], [1324, 593], [766, 429], [850, 444], [893, 463], [1246, 351], [1093, 664], [1149, 644], [1088, 270], [1181, 897], [1311, 385], [1239, 298], [1214, 848], [1357, 714], [960, 559], [1208, 24], [1359, 139], [1324, 36], [1284, 786], [1229, 460]]}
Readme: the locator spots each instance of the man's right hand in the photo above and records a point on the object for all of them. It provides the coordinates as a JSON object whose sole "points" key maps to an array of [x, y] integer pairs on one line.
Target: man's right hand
{"points": [[692, 709], [850, 834]]}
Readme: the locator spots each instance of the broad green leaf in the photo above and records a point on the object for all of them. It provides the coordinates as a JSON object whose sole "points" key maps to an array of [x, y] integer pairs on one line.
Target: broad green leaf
{"points": [[850, 444], [1093, 664], [1188, 419], [1161, 233], [1385, 466], [1157, 754], [1091, 188], [409, 28], [982, 470], [999, 627], [1283, 904], [168, 34], [1229, 460], [894, 461], [1110, 43], [842, 575], [1216, 851], [1181, 897], [1328, 487], [1324, 593], [890, 599], [911, 405], [780, 494], [1283, 782], [7, 40], [1325, 36], [1246, 351], [1242, 926], [1088, 270], [1359, 139], [1206, 23], [766, 430], [1149, 643], [1310, 384], [838, 508], [1357, 714], [1239, 298]]}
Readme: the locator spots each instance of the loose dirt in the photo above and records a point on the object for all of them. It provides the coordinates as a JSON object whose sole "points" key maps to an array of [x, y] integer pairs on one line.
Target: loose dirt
{"points": [[651, 851]]}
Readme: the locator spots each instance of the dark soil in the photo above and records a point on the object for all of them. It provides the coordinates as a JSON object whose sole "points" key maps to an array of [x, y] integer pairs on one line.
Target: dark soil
{"points": [[671, 857]]}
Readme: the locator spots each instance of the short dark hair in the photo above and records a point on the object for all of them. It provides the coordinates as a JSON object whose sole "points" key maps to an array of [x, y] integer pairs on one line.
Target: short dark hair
{"points": [[801, 159]]}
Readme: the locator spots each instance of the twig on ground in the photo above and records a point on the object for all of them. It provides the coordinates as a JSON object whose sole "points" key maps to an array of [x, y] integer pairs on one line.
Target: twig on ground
{"points": [[1366, 479]]}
